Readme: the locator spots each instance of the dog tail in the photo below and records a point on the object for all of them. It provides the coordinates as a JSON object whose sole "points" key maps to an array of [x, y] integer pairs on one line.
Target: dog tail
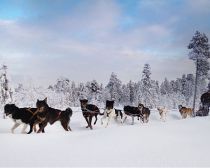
{"points": [[101, 113]]}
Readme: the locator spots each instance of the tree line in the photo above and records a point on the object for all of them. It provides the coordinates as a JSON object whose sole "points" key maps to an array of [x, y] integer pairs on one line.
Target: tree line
{"points": [[152, 93]]}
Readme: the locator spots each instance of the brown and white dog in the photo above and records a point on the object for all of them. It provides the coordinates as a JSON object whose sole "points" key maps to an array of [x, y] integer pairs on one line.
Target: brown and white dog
{"points": [[184, 111], [145, 112], [163, 113]]}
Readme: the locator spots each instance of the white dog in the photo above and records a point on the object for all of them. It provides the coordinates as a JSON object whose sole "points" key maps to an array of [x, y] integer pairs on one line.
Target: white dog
{"points": [[108, 115], [163, 113]]}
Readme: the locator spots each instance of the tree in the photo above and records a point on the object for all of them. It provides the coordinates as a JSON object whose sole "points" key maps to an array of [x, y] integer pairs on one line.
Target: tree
{"points": [[5, 91], [165, 87], [125, 94], [131, 86], [62, 85], [199, 54], [146, 85], [114, 88], [94, 91]]}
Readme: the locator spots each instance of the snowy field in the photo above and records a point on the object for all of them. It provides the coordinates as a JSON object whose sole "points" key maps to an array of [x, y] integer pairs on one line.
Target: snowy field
{"points": [[175, 142]]}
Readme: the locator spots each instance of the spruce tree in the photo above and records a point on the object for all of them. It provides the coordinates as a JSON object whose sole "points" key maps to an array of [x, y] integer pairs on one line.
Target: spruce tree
{"points": [[200, 54], [114, 88], [146, 85], [5, 91]]}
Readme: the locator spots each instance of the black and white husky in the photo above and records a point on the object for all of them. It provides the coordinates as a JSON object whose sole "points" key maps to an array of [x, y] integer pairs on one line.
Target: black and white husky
{"points": [[111, 113], [19, 116]]}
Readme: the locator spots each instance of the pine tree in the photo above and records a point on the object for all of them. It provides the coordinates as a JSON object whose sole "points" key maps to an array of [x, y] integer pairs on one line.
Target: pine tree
{"points": [[165, 87], [199, 54], [146, 85], [131, 87], [94, 92], [5, 91], [125, 94], [114, 88], [155, 91], [82, 91]]}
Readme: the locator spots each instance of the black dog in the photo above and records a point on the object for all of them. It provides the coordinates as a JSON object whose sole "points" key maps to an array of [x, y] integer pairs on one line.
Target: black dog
{"points": [[88, 111], [205, 98], [20, 116], [118, 113], [204, 109], [132, 112], [47, 114]]}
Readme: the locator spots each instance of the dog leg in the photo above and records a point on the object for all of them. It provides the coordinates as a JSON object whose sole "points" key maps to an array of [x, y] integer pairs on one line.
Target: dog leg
{"points": [[96, 119], [90, 121], [124, 119], [121, 121], [40, 125], [34, 127], [108, 120], [102, 120], [69, 128], [44, 124], [165, 117], [132, 121], [86, 118], [147, 119], [64, 125], [24, 129], [121, 117], [162, 117], [14, 127], [31, 128]]}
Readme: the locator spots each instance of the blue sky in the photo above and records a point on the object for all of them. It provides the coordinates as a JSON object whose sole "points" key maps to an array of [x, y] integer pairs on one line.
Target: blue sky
{"points": [[88, 39]]}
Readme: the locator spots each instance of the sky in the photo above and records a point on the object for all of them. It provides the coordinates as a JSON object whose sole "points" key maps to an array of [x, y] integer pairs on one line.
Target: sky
{"points": [[42, 40]]}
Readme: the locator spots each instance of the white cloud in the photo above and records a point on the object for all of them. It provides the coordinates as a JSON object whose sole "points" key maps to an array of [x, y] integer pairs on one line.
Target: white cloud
{"points": [[199, 6], [87, 44]]}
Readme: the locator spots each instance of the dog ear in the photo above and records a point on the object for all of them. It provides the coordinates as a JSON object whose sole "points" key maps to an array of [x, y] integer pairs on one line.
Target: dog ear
{"points": [[45, 100]]}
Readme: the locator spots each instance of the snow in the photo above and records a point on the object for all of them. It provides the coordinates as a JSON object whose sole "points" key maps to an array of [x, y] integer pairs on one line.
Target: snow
{"points": [[176, 142]]}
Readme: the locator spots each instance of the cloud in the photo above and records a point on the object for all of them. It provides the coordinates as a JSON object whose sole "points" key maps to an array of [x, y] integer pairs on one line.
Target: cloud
{"points": [[199, 7], [87, 40]]}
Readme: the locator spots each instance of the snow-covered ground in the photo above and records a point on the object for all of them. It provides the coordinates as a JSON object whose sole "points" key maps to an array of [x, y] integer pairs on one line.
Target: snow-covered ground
{"points": [[175, 142]]}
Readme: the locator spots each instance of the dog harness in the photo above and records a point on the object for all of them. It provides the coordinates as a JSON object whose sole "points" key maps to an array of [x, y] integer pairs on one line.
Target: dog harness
{"points": [[90, 111], [59, 113]]}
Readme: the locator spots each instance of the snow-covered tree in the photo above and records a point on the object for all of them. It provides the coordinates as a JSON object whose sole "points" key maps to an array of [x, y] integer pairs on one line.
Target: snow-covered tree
{"points": [[131, 87], [165, 87], [114, 88], [146, 85], [62, 85], [125, 94], [94, 91], [200, 54], [82, 91], [155, 92], [5, 91]]}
